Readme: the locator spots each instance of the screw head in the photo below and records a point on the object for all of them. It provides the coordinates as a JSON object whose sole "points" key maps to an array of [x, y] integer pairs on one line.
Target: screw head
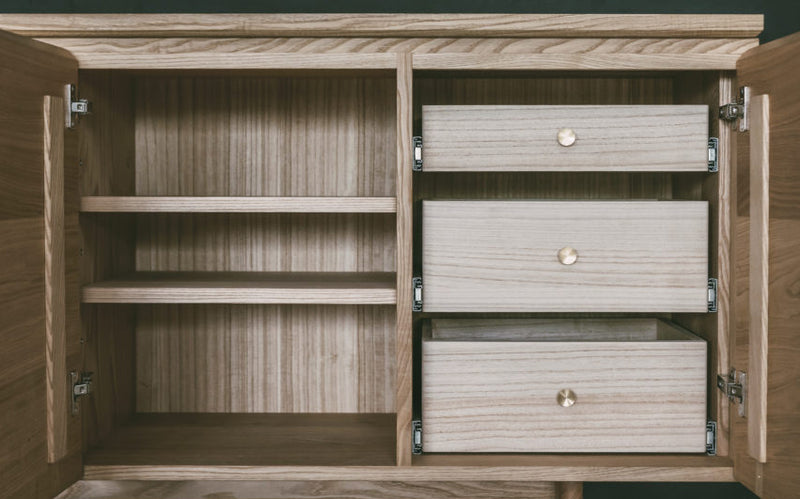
{"points": [[566, 137], [566, 398]]}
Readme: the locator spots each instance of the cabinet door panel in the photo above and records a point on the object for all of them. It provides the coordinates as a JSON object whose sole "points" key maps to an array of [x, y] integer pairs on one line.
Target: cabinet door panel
{"points": [[766, 442], [39, 244]]}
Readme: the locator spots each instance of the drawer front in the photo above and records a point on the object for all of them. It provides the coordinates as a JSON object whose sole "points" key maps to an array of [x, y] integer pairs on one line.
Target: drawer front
{"points": [[565, 138], [513, 396], [565, 256]]}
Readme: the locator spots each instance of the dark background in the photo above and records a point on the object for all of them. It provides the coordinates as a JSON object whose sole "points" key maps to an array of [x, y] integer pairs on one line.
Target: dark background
{"points": [[781, 18]]}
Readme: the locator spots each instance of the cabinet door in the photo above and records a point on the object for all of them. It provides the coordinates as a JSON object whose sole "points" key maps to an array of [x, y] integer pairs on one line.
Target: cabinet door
{"points": [[40, 441], [766, 441]]}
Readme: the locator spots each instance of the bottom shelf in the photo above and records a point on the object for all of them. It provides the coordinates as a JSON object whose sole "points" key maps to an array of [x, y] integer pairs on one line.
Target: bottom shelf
{"points": [[249, 440]]}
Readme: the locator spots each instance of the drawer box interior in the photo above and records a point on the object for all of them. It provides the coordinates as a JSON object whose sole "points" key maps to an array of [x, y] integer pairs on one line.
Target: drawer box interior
{"points": [[562, 385]]}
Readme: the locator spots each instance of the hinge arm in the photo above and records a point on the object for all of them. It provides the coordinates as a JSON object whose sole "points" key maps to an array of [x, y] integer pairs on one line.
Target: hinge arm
{"points": [[75, 107], [737, 111]]}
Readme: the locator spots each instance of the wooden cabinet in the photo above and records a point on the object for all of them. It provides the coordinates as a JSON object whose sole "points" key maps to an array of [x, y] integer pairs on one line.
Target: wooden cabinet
{"points": [[223, 277]]}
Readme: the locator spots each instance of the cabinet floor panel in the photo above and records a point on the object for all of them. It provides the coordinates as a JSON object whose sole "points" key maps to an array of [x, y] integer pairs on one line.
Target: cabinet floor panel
{"points": [[339, 288], [250, 440]]}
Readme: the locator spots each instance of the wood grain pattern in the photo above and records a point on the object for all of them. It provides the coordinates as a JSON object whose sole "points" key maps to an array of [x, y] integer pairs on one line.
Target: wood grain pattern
{"points": [[237, 204], [405, 256], [655, 261], [498, 394], [335, 489], [757, 371], [483, 25], [773, 69], [29, 71], [256, 136], [250, 439], [524, 53], [58, 393], [278, 359], [456, 467], [340, 288], [523, 138], [570, 490]]}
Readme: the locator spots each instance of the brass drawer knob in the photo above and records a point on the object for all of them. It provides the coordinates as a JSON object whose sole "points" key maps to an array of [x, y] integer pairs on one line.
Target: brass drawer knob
{"points": [[566, 137], [567, 255], [566, 398]]}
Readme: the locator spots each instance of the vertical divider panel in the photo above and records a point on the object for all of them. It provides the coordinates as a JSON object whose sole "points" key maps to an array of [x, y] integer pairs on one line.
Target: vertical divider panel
{"points": [[404, 259], [54, 279]]}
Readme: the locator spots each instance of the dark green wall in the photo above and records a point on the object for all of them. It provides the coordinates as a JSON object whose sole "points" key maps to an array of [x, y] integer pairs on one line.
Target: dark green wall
{"points": [[782, 17]]}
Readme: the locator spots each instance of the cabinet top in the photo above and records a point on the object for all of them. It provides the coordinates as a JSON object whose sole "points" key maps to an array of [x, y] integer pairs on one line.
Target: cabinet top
{"points": [[385, 25]]}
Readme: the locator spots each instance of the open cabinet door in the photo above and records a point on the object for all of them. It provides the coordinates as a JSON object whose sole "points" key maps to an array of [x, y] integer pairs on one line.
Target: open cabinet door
{"points": [[40, 439], [766, 441]]}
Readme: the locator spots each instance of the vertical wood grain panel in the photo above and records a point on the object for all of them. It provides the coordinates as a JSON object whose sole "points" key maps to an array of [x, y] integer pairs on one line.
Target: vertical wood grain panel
{"points": [[570, 490], [243, 358], [759, 279], [54, 276], [403, 396]]}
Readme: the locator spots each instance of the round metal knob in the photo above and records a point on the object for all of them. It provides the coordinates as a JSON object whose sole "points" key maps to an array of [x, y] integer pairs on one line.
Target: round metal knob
{"points": [[567, 255], [566, 137], [566, 398]]}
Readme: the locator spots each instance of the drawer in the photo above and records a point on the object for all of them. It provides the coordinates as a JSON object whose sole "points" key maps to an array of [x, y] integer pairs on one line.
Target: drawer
{"points": [[523, 385], [565, 256], [565, 138]]}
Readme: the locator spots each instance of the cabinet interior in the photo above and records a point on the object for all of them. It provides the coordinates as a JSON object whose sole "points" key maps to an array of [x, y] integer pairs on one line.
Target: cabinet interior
{"points": [[294, 383]]}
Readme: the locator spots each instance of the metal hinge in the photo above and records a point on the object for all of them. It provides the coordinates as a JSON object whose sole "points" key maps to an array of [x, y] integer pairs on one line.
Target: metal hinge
{"points": [[713, 154], [416, 437], [711, 438], [75, 107], [81, 386], [712, 294], [734, 387], [417, 145], [416, 285], [738, 110]]}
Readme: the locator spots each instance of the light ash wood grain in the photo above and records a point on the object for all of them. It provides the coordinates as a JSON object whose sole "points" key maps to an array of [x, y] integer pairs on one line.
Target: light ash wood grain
{"points": [[256, 359], [250, 439], [457, 467], [405, 257], [499, 394], [31, 70], [58, 393], [522, 53], [524, 138], [758, 351], [634, 256], [237, 204], [260, 489], [773, 70], [484, 25], [341, 288]]}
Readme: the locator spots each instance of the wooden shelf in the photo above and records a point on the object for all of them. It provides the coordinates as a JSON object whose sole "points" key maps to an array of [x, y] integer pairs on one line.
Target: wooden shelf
{"points": [[339, 288], [236, 204], [249, 439]]}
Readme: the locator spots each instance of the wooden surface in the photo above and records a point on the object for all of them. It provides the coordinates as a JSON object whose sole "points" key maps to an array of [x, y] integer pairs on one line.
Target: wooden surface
{"points": [[634, 256], [255, 358], [523, 138], [656, 54], [586, 330], [249, 439], [773, 69], [456, 467], [405, 256], [498, 393], [28, 72], [58, 392], [236, 204], [570, 490], [757, 371], [260, 489], [351, 288], [482, 25]]}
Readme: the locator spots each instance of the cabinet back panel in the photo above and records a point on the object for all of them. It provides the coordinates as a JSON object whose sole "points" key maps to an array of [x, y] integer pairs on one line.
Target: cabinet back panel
{"points": [[266, 242], [262, 136], [264, 358]]}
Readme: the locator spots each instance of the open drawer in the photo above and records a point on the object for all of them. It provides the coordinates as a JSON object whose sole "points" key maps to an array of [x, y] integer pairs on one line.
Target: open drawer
{"points": [[562, 385]]}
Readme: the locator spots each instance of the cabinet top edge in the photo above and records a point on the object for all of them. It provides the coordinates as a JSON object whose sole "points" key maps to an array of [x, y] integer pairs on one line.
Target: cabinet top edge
{"points": [[378, 25]]}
